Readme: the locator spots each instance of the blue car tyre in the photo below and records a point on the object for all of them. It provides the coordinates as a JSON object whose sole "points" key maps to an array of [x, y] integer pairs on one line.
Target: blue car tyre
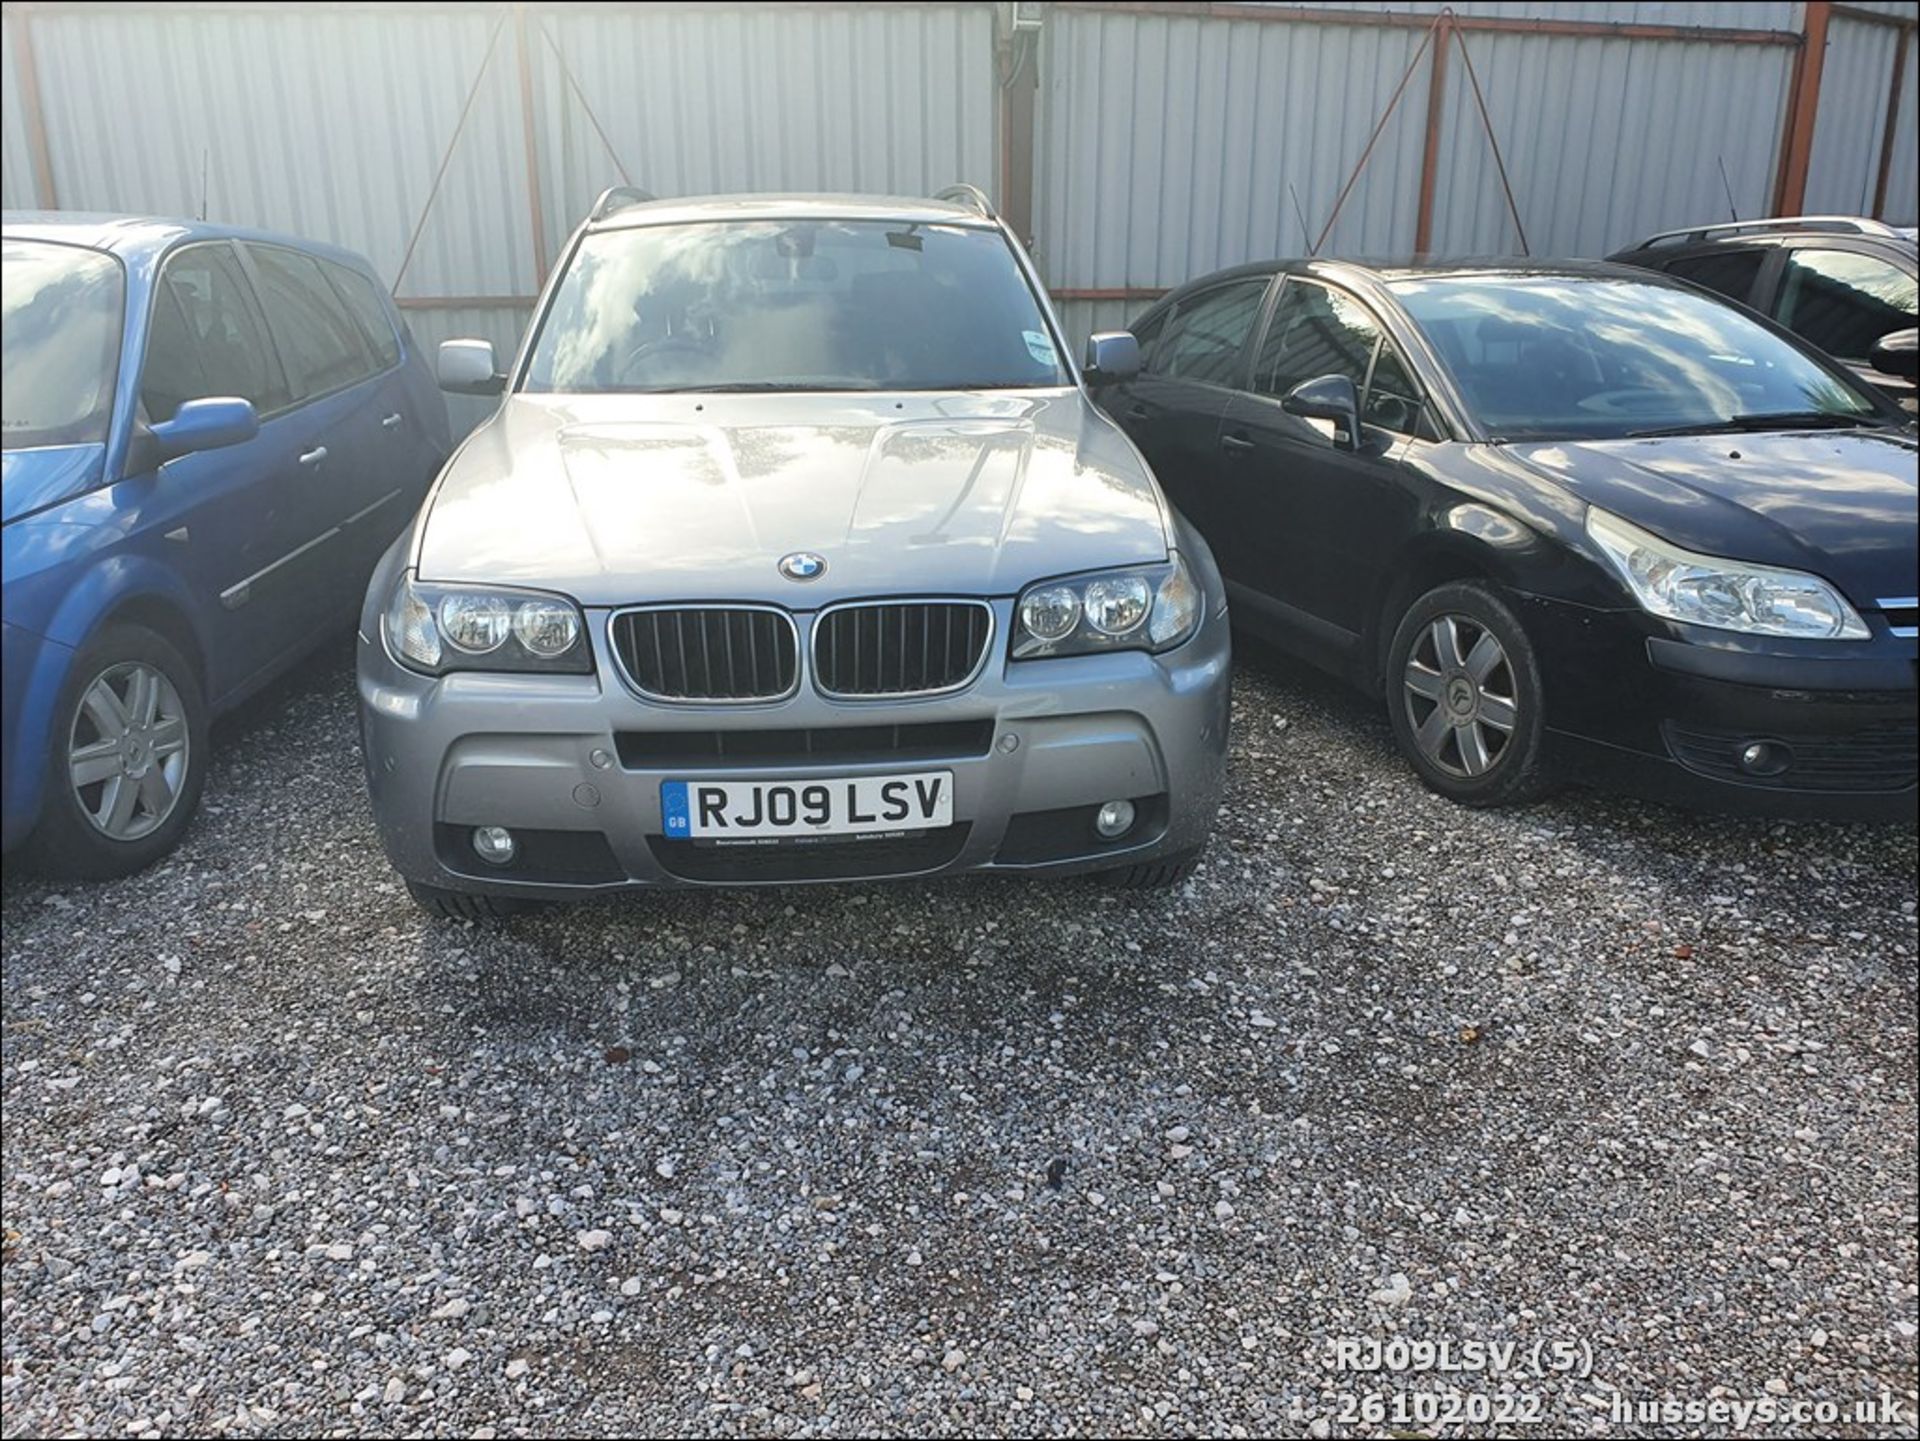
{"points": [[1465, 697], [128, 758]]}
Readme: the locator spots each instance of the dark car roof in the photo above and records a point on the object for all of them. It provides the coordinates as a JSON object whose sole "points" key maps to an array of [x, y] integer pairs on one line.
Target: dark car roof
{"points": [[135, 237], [1385, 270]]}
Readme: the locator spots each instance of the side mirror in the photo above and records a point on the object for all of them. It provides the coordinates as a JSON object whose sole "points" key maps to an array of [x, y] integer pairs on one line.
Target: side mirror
{"points": [[1328, 397], [205, 424], [1112, 356], [466, 367], [1897, 354]]}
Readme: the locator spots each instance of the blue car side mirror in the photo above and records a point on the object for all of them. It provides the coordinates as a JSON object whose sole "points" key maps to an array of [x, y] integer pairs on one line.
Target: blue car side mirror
{"points": [[204, 424]]}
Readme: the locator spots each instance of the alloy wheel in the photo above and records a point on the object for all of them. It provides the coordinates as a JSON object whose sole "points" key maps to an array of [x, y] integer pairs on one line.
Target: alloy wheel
{"points": [[127, 756], [1460, 696]]}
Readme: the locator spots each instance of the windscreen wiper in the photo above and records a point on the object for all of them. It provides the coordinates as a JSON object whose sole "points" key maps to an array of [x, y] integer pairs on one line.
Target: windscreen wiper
{"points": [[1775, 420], [747, 387]]}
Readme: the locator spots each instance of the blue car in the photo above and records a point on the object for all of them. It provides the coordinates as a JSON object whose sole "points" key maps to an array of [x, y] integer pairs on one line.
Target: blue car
{"points": [[210, 437]]}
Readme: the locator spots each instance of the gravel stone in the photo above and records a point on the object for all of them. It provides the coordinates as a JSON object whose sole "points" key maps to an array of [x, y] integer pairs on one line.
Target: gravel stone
{"points": [[279, 1188]]}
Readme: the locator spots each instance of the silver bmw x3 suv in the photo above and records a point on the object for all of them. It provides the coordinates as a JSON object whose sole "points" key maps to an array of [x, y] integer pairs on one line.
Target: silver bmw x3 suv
{"points": [[795, 551]]}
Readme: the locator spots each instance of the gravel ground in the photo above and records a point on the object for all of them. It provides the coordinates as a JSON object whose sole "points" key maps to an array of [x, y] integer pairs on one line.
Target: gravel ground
{"points": [[282, 1156]]}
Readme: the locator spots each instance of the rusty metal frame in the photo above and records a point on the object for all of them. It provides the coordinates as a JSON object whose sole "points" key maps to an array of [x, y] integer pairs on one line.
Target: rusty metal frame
{"points": [[1407, 20], [1803, 110], [45, 195], [1430, 155], [1898, 80]]}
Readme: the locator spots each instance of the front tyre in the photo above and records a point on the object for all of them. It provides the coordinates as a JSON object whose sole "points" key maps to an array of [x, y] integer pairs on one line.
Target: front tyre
{"points": [[1464, 693], [128, 758]]}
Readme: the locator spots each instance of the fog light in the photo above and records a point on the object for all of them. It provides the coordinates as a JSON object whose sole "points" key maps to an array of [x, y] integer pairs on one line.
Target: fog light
{"points": [[1764, 758], [1114, 819], [493, 844]]}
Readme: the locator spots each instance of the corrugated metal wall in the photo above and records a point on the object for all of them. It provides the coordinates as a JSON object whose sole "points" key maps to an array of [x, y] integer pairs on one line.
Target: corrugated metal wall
{"points": [[1852, 120], [1589, 131], [1171, 145], [1166, 144], [875, 99]]}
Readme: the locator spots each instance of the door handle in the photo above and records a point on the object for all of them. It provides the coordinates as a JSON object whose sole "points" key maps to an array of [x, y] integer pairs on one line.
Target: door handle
{"points": [[314, 456], [1235, 442], [388, 422], [1136, 411]]}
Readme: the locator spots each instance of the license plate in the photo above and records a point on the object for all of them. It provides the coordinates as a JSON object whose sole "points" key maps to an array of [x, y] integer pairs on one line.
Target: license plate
{"points": [[780, 810]]}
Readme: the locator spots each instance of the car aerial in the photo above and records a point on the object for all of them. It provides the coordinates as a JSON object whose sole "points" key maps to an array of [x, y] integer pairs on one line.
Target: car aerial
{"points": [[211, 435], [795, 551], [1845, 284], [1568, 519]]}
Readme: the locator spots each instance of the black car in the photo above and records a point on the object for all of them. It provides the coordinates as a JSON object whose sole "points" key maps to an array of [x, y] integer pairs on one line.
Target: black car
{"points": [[1845, 284], [1570, 519]]}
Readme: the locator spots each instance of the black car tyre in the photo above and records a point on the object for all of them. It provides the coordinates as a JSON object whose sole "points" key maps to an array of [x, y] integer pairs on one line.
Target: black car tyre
{"points": [[464, 905], [1161, 875], [1465, 698], [127, 760]]}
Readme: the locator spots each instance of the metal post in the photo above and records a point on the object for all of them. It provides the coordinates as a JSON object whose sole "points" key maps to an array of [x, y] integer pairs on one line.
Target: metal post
{"points": [[1436, 109], [1803, 110], [534, 194], [1893, 123], [44, 193]]}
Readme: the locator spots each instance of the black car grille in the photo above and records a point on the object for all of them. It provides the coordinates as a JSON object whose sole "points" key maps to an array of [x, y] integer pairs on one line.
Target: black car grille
{"points": [[823, 861], [900, 647], [708, 653], [1878, 757], [725, 749]]}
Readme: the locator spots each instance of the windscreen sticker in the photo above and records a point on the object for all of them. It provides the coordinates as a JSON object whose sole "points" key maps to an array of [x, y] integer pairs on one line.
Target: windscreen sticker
{"points": [[1039, 347]]}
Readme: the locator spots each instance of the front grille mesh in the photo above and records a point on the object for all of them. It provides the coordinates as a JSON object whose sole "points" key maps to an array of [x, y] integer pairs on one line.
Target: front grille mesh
{"points": [[1877, 757], [899, 648], [708, 653]]}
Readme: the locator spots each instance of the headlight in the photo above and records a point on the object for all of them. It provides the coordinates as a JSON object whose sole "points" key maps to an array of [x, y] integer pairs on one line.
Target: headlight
{"points": [[441, 628], [1728, 594], [1146, 607]]}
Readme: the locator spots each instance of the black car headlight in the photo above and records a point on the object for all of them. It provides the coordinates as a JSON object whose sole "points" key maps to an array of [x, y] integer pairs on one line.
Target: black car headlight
{"points": [[1140, 607], [436, 628]]}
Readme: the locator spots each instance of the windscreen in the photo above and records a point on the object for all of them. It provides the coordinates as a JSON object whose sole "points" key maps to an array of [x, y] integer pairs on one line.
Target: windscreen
{"points": [[794, 305], [1562, 357], [60, 341]]}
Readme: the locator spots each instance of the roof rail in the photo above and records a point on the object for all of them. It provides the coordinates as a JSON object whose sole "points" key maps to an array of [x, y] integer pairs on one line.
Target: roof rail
{"points": [[616, 198], [1828, 224], [971, 196]]}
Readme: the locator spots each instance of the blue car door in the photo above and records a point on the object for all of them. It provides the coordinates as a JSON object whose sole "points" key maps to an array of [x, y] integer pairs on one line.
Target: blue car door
{"points": [[336, 381], [411, 442], [233, 521]]}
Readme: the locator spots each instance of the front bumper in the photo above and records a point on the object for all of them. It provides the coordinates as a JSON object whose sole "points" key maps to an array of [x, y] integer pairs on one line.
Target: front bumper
{"points": [[1667, 711], [574, 764]]}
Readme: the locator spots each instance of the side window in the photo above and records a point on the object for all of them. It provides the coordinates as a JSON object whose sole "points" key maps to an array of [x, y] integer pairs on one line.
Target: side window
{"points": [[1314, 332], [1203, 342], [369, 309], [206, 338], [1392, 400], [322, 344], [1843, 302], [1148, 334], [1730, 272]]}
